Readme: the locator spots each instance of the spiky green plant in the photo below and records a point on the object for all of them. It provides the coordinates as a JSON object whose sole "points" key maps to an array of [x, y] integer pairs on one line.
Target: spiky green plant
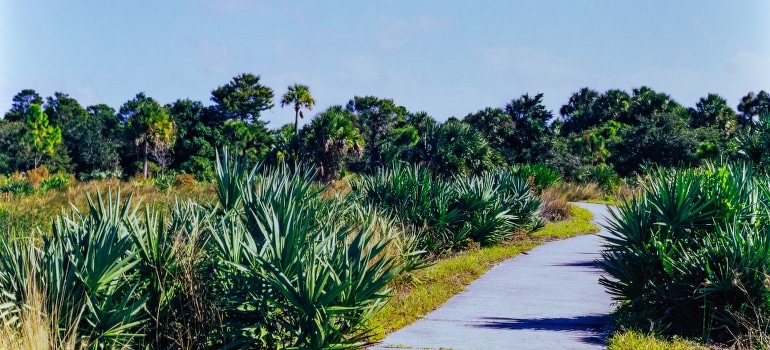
{"points": [[692, 252], [446, 213], [299, 271]]}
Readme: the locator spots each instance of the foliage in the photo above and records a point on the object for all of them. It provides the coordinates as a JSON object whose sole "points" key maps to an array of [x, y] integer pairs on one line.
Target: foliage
{"points": [[150, 128], [40, 136], [663, 139], [299, 96], [99, 141], [632, 340], [382, 125], [453, 148], [243, 98], [446, 214], [330, 139], [754, 145], [17, 187], [530, 118], [753, 105], [309, 273], [22, 102], [691, 253], [199, 133], [541, 176], [497, 127]]}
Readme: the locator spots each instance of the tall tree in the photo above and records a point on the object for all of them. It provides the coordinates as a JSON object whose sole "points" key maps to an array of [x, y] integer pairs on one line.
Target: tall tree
{"points": [[580, 112], [299, 96], [40, 136], [454, 148], [752, 105], [382, 124], [21, 104], [498, 128], [530, 118], [330, 138], [150, 127], [614, 105], [99, 147], [243, 98], [13, 153], [199, 131], [646, 102], [713, 110], [66, 113], [240, 103]]}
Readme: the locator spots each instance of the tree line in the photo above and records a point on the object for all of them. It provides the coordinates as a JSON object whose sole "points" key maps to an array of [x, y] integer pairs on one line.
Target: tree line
{"points": [[597, 136]]}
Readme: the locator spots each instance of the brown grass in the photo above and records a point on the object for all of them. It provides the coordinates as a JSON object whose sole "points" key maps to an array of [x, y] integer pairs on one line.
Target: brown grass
{"points": [[578, 192], [555, 206]]}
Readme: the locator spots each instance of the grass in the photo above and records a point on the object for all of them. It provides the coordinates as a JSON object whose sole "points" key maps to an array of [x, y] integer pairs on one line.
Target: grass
{"points": [[633, 340], [580, 223], [23, 214], [429, 288]]}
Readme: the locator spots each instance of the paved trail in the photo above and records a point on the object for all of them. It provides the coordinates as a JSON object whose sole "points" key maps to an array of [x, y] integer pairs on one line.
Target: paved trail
{"points": [[546, 299]]}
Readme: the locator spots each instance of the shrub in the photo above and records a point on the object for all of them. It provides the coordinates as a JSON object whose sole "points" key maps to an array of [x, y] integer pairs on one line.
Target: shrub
{"points": [[274, 265], [691, 254], [577, 192], [184, 181], [36, 176], [541, 175], [17, 187], [297, 271], [101, 175], [445, 214], [555, 205], [56, 181]]}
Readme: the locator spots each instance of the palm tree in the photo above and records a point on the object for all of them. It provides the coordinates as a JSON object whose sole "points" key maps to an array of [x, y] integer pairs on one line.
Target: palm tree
{"points": [[299, 95]]}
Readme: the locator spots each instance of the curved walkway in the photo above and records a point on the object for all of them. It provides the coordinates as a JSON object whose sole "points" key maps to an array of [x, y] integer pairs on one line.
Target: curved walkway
{"points": [[548, 298]]}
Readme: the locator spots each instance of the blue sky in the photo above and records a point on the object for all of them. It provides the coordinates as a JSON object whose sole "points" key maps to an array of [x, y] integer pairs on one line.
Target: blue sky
{"points": [[448, 58]]}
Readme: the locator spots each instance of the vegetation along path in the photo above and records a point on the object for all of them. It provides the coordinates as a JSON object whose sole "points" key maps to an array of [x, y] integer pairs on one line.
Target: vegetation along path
{"points": [[549, 298]]}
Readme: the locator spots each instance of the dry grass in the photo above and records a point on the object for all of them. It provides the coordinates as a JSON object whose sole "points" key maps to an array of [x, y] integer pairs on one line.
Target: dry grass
{"points": [[31, 327], [555, 206], [25, 213], [578, 192]]}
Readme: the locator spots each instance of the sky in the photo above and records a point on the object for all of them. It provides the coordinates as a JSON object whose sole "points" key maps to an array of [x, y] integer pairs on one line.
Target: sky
{"points": [[447, 58]]}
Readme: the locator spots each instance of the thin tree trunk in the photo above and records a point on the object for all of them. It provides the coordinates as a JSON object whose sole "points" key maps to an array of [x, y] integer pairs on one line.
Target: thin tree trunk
{"points": [[296, 121], [145, 160]]}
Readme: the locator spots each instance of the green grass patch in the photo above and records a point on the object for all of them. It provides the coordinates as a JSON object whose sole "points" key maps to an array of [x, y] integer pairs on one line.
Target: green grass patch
{"points": [[580, 223], [447, 277], [632, 340]]}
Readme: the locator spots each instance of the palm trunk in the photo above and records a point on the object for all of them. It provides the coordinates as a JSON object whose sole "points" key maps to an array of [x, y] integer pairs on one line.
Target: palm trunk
{"points": [[296, 121], [145, 160]]}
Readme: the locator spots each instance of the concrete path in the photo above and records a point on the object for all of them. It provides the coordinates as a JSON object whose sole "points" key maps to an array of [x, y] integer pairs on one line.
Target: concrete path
{"points": [[546, 299]]}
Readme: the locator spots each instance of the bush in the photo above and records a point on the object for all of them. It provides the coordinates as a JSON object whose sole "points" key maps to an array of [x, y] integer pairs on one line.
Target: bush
{"points": [[184, 181], [445, 214], [36, 176], [273, 265], [56, 181], [17, 187], [691, 254], [555, 205], [298, 271], [101, 175], [541, 176]]}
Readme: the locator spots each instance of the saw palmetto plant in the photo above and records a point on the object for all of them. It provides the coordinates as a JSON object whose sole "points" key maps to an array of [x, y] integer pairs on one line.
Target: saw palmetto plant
{"points": [[691, 254]]}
